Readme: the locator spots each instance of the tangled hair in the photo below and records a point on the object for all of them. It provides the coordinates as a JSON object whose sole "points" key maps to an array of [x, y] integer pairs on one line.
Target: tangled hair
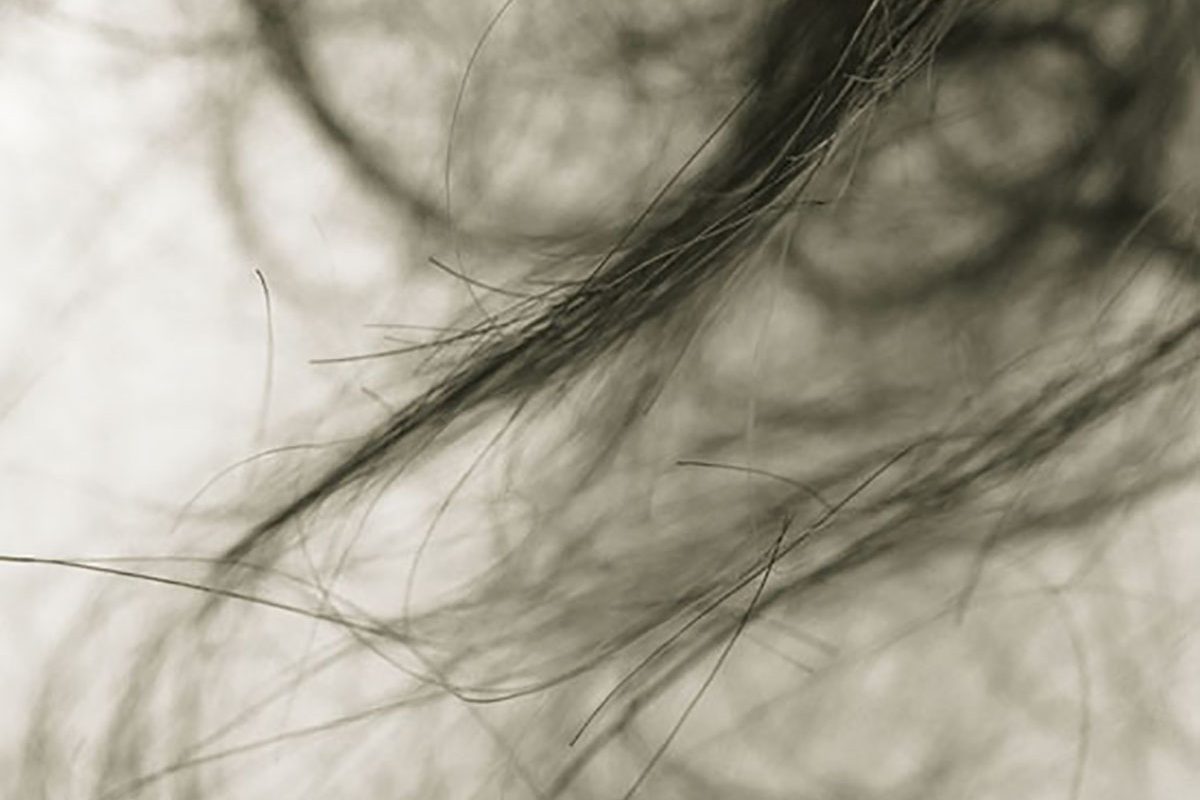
{"points": [[807, 368]]}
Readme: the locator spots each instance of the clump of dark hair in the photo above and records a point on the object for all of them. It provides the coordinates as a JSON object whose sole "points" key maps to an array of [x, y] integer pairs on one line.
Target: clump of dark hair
{"points": [[916, 308]]}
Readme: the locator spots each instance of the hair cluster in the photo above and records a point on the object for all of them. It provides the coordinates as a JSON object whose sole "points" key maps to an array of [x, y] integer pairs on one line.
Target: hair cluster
{"points": [[804, 356]]}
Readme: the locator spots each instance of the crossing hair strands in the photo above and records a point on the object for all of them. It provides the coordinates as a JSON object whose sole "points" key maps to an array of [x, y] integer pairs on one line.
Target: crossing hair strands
{"points": [[806, 357]]}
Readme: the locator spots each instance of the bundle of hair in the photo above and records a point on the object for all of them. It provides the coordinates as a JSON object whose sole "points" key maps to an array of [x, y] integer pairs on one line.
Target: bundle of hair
{"points": [[809, 361]]}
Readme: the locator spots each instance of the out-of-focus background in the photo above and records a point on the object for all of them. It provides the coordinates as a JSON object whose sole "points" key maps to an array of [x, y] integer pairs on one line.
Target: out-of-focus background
{"points": [[137, 355]]}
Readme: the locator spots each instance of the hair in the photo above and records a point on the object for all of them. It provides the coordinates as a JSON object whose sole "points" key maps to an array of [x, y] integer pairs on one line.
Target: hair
{"points": [[798, 376]]}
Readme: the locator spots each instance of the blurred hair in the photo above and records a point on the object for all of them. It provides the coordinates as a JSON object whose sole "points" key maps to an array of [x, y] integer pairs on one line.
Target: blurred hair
{"points": [[796, 334]]}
